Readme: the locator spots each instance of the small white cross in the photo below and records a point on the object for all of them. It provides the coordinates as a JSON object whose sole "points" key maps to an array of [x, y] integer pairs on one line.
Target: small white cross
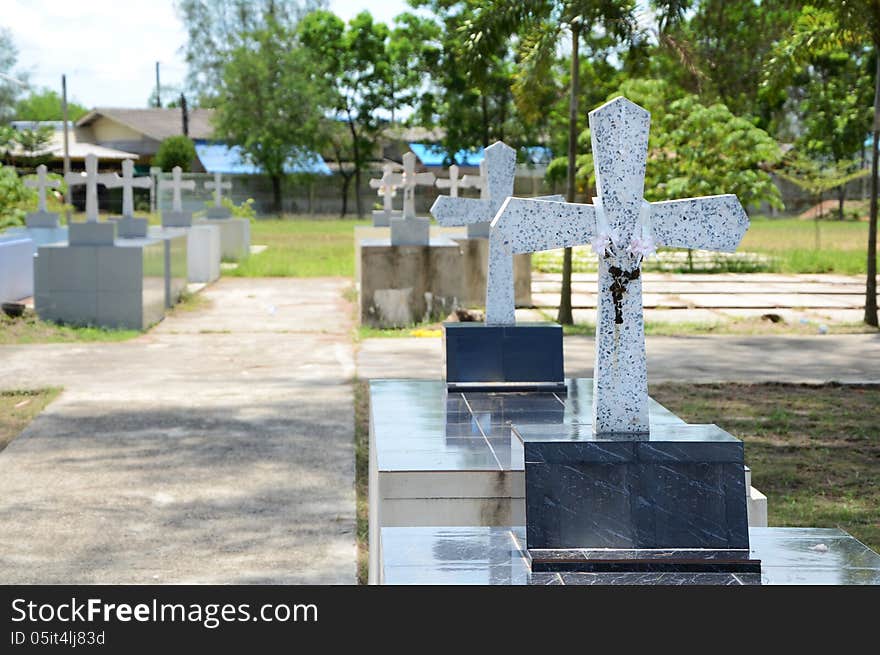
{"points": [[42, 182], [176, 184], [481, 181], [408, 180], [91, 179], [385, 188], [218, 185], [622, 228], [453, 182], [128, 182]]}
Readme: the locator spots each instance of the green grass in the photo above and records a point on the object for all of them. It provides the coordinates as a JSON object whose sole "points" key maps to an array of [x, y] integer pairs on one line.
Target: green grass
{"points": [[18, 408], [362, 474], [301, 247], [30, 329], [782, 245], [813, 449]]}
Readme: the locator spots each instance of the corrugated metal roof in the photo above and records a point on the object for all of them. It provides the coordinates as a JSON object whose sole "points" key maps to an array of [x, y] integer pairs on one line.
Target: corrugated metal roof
{"points": [[222, 158], [433, 156]]}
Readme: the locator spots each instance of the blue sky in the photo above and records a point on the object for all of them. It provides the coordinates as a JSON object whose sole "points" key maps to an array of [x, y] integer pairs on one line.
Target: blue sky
{"points": [[108, 48]]}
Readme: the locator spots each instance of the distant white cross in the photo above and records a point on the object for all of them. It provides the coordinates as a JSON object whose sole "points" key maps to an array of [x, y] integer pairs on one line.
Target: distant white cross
{"points": [[408, 180], [128, 182], [176, 184], [622, 228], [218, 185], [91, 179], [385, 187], [42, 182], [453, 182], [481, 181], [499, 169]]}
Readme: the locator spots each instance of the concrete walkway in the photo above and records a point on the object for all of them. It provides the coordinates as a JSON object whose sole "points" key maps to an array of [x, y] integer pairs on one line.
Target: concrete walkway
{"points": [[218, 448], [842, 358]]}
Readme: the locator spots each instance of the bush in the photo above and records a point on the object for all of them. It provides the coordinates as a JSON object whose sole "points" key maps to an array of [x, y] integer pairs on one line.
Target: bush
{"points": [[175, 151], [14, 197]]}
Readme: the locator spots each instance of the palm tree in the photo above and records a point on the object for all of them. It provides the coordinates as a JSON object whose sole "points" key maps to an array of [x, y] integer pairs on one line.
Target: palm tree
{"points": [[541, 25]]}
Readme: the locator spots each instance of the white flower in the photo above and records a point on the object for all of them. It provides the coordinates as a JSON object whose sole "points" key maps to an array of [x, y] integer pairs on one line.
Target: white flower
{"points": [[643, 246], [603, 242]]}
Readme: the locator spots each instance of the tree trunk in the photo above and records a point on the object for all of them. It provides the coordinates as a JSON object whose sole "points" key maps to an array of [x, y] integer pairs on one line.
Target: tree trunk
{"points": [[871, 282], [356, 153], [565, 315], [276, 194], [484, 110], [345, 180], [841, 198]]}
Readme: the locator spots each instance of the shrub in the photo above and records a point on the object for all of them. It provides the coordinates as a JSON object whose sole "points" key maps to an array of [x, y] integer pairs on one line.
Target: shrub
{"points": [[175, 151], [14, 197]]}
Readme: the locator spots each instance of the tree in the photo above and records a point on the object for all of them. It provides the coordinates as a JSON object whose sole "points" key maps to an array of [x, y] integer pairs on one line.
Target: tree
{"points": [[828, 26], [352, 62], [216, 28], [45, 105], [271, 102], [175, 151], [33, 145], [14, 196], [10, 88]]}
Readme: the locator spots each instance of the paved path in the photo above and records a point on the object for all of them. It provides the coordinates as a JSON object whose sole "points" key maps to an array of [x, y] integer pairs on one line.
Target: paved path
{"points": [[218, 448], [843, 358]]}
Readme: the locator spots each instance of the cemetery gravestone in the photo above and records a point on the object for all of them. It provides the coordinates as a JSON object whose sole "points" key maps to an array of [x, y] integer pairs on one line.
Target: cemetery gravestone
{"points": [[410, 230], [176, 217], [41, 226], [218, 210], [235, 233], [42, 218], [129, 226], [481, 182], [387, 191]]}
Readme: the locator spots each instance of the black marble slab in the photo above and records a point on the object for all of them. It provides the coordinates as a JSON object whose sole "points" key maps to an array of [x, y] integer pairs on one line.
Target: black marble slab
{"points": [[621, 560], [681, 486], [495, 556], [522, 356]]}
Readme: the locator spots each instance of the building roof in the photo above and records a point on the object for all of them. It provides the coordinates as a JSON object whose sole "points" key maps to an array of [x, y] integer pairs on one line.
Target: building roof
{"points": [[433, 156], [155, 123], [221, 158], [77, 150]]}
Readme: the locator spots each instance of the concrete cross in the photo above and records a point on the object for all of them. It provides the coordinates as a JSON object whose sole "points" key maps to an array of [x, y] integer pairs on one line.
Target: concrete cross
{"points": [[385, 187], [42, 182], [128, 182], [91, 179], [176, 184], [480, 181], [622, 228], [408, 180], [453, 182], [218, 185]]}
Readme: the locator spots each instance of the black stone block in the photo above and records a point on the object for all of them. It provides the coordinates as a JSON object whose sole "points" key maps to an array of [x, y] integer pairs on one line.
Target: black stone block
{"points": [[524, 356], [681, 487]]}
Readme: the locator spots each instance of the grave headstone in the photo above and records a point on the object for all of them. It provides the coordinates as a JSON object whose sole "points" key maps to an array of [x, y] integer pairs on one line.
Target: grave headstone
{"points": [[42, 218], [92, 232], [176, 217], [410, 230], [481, 183], [386, 189], [218, 185], [129, 226]]}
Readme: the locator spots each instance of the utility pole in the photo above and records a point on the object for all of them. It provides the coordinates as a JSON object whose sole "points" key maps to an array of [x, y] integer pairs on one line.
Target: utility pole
{"points": [[68, 199], [184, 114], [158, 95]]}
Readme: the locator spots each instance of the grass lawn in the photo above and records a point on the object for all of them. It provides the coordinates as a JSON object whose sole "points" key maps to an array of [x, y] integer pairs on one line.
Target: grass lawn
{"points": [[301, 247], [30, 329], [814, 450], [18, 408]]}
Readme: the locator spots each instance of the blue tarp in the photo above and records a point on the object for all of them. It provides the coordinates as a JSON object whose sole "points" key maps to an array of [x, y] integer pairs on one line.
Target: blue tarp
{"points": [[229, 160], [432, 155]]}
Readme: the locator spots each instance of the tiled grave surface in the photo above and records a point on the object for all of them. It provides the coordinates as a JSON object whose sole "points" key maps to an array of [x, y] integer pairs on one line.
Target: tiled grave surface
{"points": [[494, 556]]}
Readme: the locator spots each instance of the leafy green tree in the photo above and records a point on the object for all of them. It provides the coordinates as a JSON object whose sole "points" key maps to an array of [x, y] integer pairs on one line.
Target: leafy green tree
{"points": [[14, 197], [216, 28], [33, 145], [827, 26], [352, 61], [175, 151], [270, 102], [45, 105], [9, 88]]}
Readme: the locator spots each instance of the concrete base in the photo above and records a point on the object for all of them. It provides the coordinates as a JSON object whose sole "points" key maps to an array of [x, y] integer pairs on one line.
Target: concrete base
{"points": [[218, 212], [203, 253], [121, 285], [92, 234], [381, 218], [235, 236], [40, 219], [410, 231], [475, 265], [402, 285], [16, 268], [131, 228], [41, 236], [173, 218]]}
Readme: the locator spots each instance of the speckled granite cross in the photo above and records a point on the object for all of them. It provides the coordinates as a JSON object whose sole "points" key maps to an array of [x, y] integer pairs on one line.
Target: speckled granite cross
{"points": [[623, 229]]}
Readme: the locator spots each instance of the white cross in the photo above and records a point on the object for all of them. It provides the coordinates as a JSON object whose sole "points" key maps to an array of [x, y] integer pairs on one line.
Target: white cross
{"points": [[480, 181], [218, 185], [91, 179], [454, 181], [498, 170], [385, 188], [42, 182], [176, 183], [622, 227], [408, 180], [128, 182]]}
